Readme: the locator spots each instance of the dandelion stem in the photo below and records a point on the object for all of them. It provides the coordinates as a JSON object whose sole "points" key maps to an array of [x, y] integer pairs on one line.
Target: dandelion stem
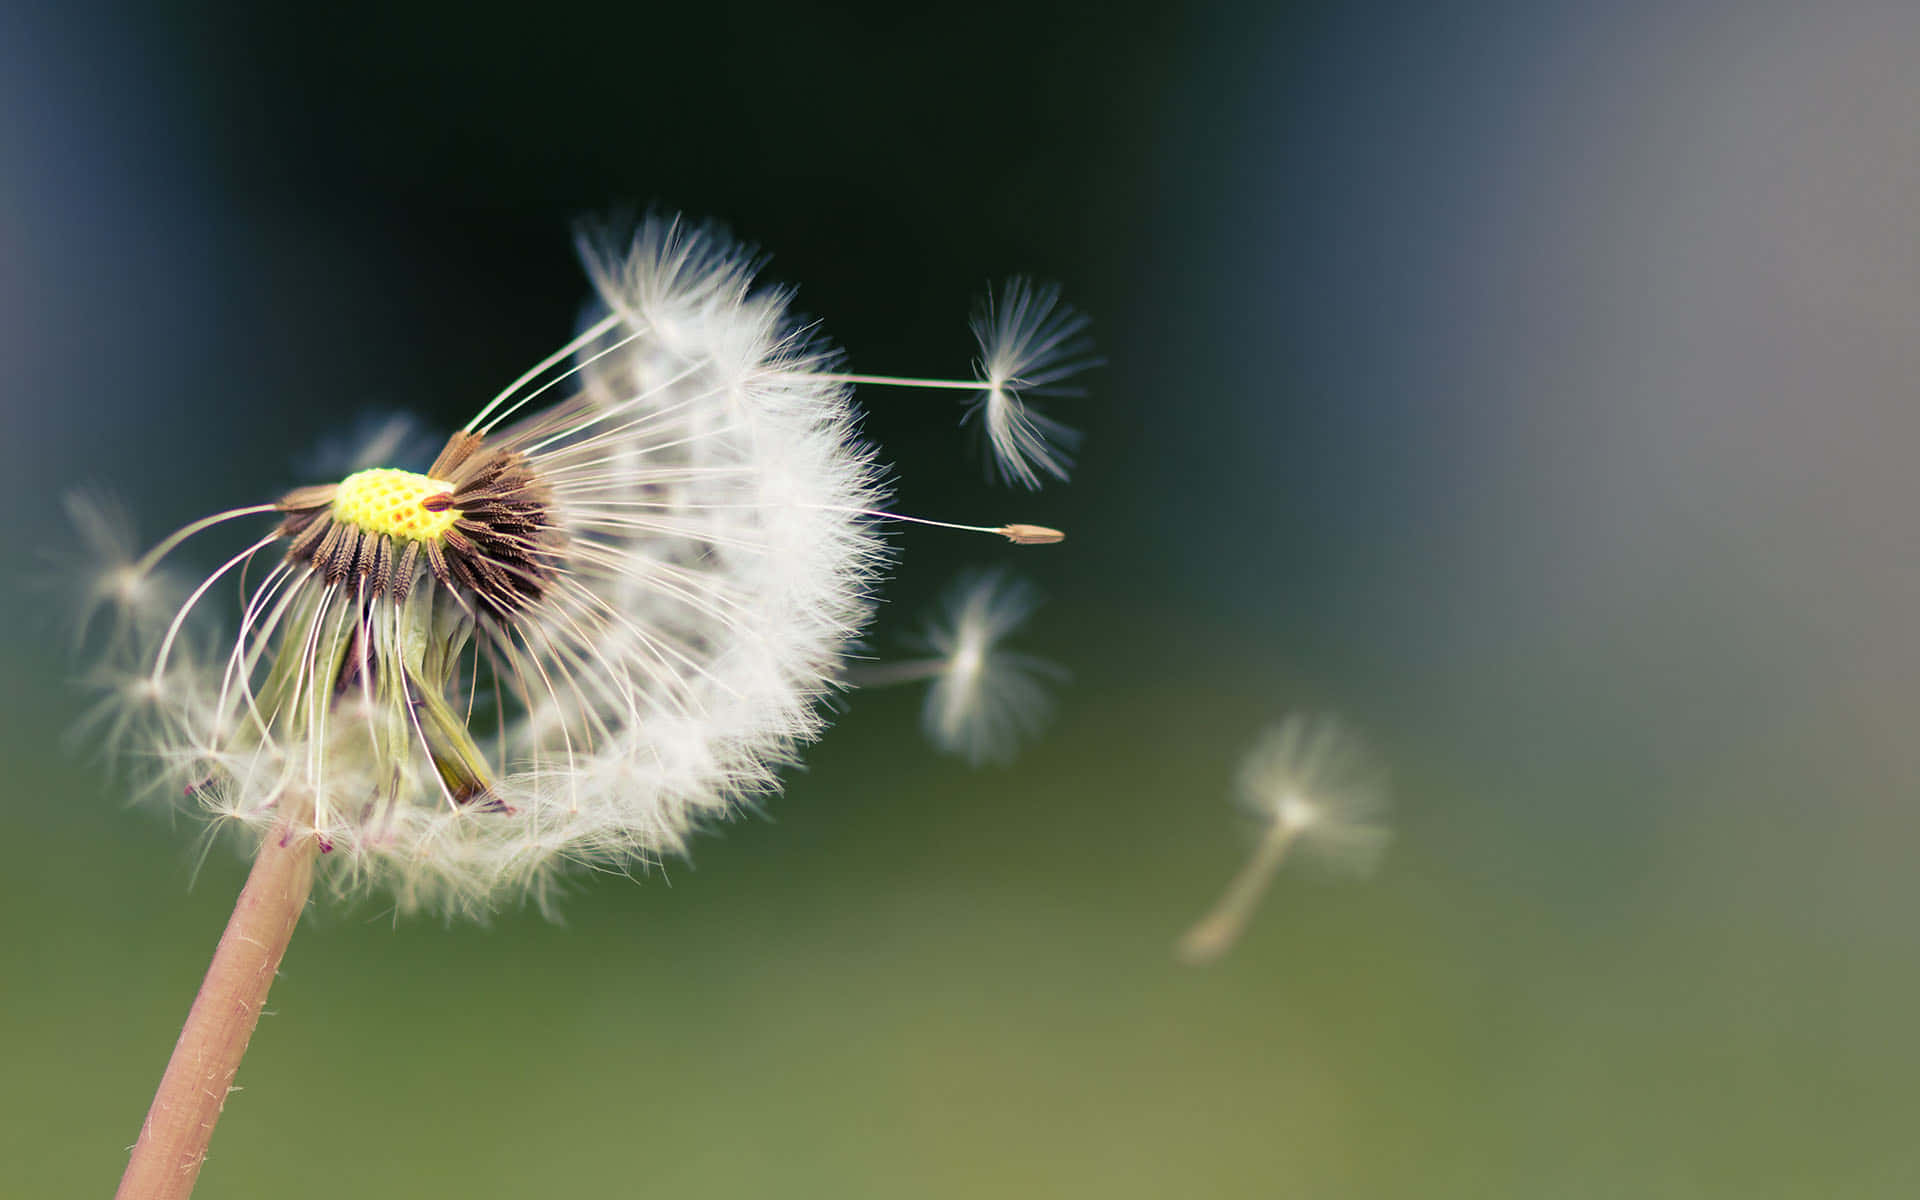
{"points": [[173, 1140], [1219, 929]]}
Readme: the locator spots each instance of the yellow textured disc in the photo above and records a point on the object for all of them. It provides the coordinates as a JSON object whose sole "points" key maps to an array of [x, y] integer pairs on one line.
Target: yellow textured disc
{"points": [[385, 500]]}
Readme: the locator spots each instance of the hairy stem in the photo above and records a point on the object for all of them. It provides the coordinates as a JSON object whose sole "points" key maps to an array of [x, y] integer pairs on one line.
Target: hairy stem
{"points": [[173, 1140]]}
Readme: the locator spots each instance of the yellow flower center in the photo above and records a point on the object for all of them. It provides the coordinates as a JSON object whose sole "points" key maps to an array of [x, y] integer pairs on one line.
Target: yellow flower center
{"points": [[402, 504]]}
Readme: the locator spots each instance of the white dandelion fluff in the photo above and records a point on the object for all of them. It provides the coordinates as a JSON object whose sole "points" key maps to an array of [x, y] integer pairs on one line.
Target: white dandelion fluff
{"points": [[1313, 776], [984, 699], [1030, 345], [601, 618], [1317, 792], [109, 588]]}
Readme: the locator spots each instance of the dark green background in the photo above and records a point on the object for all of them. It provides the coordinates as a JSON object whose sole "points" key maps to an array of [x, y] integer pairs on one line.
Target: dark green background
{"points": [[1531, 383]]}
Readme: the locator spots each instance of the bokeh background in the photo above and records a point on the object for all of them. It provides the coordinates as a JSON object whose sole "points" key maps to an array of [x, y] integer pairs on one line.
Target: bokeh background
{"points": [[1532, 383]]}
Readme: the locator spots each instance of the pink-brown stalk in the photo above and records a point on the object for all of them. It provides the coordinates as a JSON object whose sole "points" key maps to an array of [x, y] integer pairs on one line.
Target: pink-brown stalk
{"points": [[173, 1140]]}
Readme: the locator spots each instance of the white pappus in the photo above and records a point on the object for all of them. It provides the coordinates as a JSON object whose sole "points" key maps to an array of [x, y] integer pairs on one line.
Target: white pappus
{"points": [[983, 699], [1030, 344]]}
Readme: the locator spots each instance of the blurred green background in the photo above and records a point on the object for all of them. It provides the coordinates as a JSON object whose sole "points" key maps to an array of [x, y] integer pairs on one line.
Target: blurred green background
{"points": [[1531, 383]]}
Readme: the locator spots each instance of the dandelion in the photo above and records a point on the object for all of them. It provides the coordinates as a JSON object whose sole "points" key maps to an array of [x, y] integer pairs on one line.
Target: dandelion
{"points": [[984, 699], [581, 632], [1317, 792], [1030, 344], [600, 619]]}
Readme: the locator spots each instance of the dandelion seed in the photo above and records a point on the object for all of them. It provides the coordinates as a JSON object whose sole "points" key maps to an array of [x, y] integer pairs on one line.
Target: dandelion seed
{"points": [[984, 699], [1318, 793], [1019, 535], [1030, 535], [600, 619], [1030, 344]]}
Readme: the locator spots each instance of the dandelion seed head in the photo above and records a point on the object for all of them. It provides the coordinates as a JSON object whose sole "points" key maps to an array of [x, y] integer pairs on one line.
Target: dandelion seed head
{"points": [[602, 619]]}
